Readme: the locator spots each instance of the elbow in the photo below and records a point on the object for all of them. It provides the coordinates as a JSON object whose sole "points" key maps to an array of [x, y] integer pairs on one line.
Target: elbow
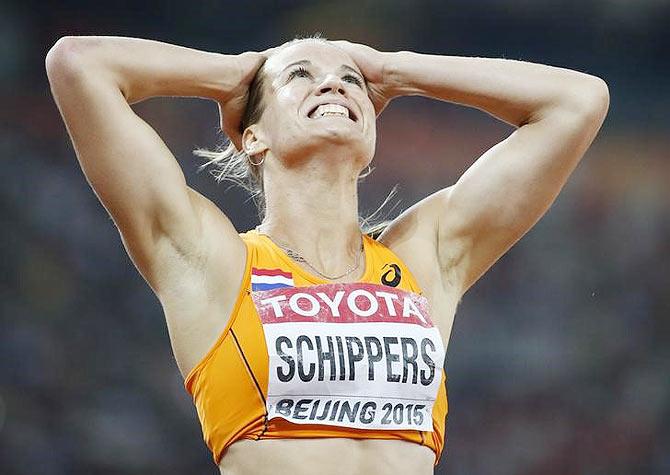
{"points": [[580, 98], [581, 111], [61, 58], [596, 98], [589, 99], [67, 56], [60, 52]]}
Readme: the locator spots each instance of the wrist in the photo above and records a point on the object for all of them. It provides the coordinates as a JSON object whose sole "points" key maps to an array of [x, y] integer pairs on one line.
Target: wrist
{"points": [[397, 74], [237, 73], [221, 78]]}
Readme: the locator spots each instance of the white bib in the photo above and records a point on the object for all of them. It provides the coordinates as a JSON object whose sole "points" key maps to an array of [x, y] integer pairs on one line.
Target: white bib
{"points": [[365, 356]]}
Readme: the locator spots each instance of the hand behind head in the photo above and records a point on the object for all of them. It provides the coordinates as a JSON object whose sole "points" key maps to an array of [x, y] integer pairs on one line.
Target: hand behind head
{"points": [[231, 109]]}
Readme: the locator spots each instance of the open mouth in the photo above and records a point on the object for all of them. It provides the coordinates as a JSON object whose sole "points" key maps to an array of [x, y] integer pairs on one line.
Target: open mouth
{"points": [[332, 110]]}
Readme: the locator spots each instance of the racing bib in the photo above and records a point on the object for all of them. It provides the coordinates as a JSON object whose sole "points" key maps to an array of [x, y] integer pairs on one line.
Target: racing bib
{"points": [[357, 355]]}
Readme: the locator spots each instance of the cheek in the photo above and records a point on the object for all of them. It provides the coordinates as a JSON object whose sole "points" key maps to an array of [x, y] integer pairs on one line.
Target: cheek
{"points": [[286, 109], [289, 98], [285, 93], [279, 114], [369, 105]]}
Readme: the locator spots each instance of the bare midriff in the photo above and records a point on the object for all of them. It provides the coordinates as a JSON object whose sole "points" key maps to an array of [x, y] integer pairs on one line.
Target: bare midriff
{"points": [[327, 457]]}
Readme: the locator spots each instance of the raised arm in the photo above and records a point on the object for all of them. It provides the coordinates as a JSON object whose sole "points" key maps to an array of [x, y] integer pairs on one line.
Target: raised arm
{"points": [[135, 176], [557, 112]]}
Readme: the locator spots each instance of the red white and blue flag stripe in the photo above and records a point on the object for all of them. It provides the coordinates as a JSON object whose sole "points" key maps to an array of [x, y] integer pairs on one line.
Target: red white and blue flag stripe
{"points": [[269, 279]]}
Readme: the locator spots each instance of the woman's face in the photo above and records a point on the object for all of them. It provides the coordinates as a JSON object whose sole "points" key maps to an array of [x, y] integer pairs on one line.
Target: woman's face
{"points": [[316, 103]]}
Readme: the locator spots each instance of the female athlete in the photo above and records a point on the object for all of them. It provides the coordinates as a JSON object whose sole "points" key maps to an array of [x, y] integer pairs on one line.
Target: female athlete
{"points": [[306, 343]]}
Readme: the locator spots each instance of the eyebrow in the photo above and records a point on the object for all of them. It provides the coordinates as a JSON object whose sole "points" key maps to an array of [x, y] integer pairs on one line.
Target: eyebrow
{"points": [[307, 62]]}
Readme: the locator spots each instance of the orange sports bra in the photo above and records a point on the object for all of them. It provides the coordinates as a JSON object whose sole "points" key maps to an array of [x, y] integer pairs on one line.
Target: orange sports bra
{"points": [[305, 358]]}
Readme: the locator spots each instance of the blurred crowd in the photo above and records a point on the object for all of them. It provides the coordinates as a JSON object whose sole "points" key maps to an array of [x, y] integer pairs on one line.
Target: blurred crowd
{"points": [[560, 358]]}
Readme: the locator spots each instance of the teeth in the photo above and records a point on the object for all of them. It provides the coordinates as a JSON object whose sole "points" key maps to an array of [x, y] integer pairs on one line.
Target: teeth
{"points": [[330, 109]]}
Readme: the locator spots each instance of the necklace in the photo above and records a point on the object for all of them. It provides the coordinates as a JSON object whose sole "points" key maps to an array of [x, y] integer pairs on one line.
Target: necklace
{"points": [[298, 258]]}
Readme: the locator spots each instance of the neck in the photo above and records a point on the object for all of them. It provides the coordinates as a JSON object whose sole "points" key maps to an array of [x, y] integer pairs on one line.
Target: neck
{"points": [[313, 210]]}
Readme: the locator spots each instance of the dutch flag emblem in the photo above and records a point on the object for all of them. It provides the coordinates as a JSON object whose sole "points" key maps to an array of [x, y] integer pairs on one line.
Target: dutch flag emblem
{"points": [[269, 279]]}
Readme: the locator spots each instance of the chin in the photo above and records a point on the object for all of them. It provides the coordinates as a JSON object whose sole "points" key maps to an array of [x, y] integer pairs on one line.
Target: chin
{"points": [[333, 141], [349, 143]]}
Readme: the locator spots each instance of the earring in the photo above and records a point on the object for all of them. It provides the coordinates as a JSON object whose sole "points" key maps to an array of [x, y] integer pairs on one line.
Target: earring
{"points": [[256, 164]]}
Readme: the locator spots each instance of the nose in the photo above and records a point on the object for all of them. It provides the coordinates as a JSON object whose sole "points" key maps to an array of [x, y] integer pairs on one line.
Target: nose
{"points": [[332, 83]]}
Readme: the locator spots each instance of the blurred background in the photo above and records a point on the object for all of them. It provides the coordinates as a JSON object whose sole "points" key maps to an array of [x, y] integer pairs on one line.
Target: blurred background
{"points": [[560, 358]]}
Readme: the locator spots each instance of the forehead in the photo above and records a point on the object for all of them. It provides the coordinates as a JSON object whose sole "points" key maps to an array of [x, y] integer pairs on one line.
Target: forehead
{"points": [[320, 54]]}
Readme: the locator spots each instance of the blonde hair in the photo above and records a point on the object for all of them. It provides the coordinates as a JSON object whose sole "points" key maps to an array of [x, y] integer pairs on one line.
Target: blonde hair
{"points": [[230, 164]]}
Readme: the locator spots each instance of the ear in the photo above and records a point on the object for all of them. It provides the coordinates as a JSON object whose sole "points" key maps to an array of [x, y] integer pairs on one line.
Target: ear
{"points": [[252, 141]]}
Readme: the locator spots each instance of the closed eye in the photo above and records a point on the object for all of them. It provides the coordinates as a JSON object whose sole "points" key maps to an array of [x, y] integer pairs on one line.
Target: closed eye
{"points": [[299, 72], [303, 73], [354, 80]]}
